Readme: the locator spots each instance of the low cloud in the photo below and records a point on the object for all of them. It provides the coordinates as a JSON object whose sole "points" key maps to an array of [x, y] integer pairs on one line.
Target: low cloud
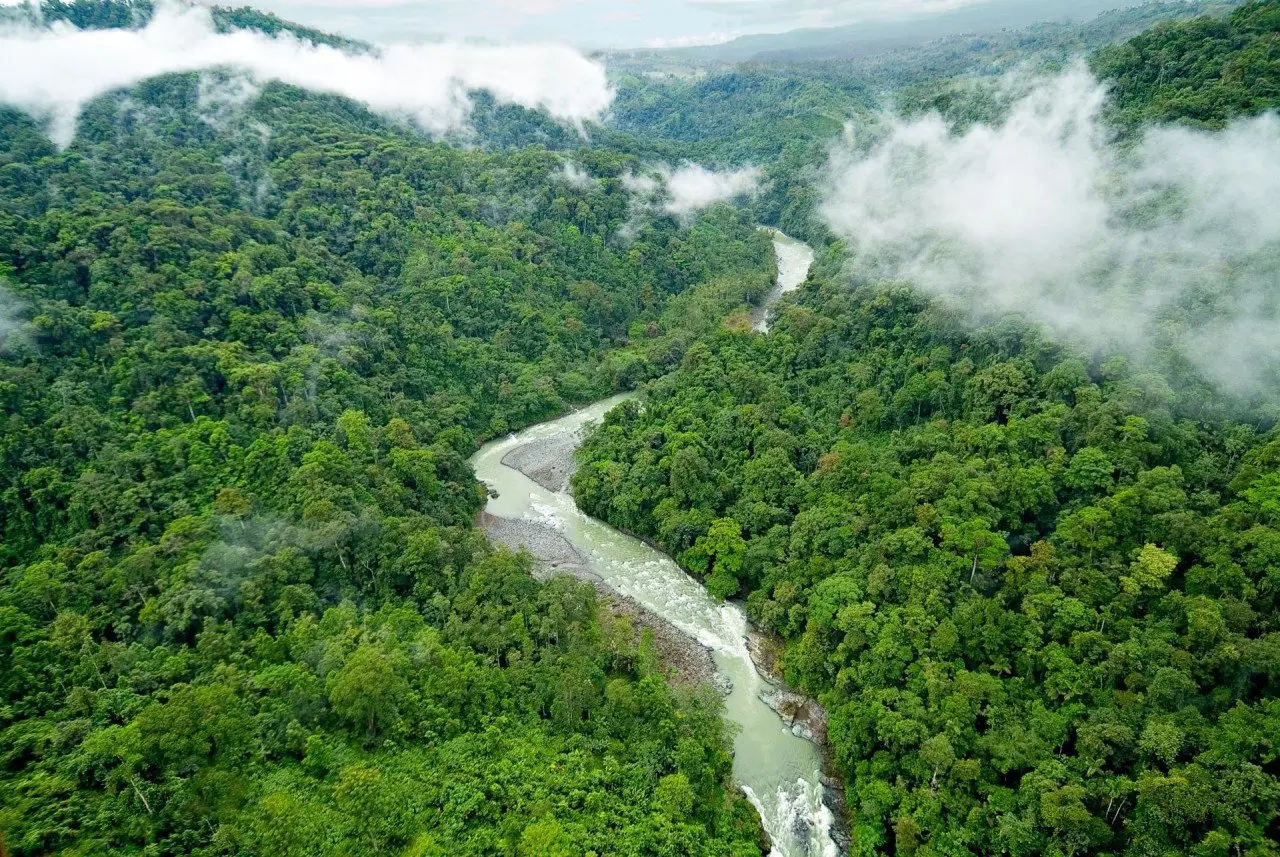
{"points": [[13, 325], [685, 190], [1171, 245], [55, 72], [692, 41], [575, 176], [220, 96]]}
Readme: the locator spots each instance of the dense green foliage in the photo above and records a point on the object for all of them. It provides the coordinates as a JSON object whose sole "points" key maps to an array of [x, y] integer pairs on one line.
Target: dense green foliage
{"points": [[85, 14], [780, 118], [226, 18], [245, 353], [995, 53], [244, 610], [748, 114], [1202, 72], [1038, 600]]}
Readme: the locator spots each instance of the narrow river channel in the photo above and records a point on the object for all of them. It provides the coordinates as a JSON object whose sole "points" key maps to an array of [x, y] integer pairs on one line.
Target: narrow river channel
{"points": [[795, 258], [778, 770]]}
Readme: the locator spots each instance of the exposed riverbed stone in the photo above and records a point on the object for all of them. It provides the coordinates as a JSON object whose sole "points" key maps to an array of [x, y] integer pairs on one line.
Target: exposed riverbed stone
{"points": [[688, 660], [552, 553], [804, 716], [547, 461], [550, 462]]}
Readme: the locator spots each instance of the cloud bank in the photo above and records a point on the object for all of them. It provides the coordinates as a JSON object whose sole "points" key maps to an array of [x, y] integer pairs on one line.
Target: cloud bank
{"points": [[685, 190], [55, 72], [692, 41], [1171, 244]]}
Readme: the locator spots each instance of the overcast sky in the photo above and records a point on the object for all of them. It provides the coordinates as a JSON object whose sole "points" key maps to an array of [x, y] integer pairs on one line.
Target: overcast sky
{"points": [[591, 23]]}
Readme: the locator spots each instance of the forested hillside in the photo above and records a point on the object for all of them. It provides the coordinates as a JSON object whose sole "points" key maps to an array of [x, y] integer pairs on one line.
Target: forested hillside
{"points": [[1203, 72], [1037, 598], [244, 611], [130, 14]]}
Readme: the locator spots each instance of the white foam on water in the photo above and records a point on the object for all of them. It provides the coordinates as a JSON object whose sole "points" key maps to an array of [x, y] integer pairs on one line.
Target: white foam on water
{"points": [[765, 817], [798, 817]]}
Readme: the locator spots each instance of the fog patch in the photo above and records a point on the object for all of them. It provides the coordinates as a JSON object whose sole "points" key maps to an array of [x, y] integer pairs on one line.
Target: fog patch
{"points": [[1171, 245], [685, 190], [575, 176], [245, 543], [221, 96], [13, 327], [54, 72], [330, 335]]}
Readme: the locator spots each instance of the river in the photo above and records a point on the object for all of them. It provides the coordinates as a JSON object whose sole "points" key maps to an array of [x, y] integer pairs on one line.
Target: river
{"points": [[778, 770], [795, 258]]}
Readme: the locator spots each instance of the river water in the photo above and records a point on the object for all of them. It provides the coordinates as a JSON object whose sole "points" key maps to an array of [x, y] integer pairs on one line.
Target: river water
{"points": [[778, 770], [794, 260]]}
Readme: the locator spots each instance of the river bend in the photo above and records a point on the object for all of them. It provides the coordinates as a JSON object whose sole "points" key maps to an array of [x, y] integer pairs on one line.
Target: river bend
{"points": [[778, 770]]}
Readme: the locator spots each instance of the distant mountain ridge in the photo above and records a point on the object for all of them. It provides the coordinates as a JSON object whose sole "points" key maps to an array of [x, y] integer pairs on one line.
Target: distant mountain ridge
{"points": [[876, 36]]}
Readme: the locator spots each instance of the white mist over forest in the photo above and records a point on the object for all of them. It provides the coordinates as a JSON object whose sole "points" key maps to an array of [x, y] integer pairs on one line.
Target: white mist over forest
{"points": [[54, 72], [1173, 241], [11, 322], [684, 190]]}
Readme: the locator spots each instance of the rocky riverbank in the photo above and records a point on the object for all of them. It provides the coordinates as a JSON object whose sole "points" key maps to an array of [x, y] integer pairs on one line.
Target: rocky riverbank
{"points": [[547, 461], [806, 718], [802, 715], [551, 552], [688, 661], [550, 463]]}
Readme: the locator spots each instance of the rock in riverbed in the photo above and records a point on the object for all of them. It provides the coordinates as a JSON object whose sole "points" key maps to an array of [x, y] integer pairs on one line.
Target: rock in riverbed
{"points": [[807, 719], [802, 715]]}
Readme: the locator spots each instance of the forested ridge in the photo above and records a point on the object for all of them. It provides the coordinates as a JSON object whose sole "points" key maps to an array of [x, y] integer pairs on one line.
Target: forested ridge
{"points": [[1034, 586], [244, 610], [1202, 72]]}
